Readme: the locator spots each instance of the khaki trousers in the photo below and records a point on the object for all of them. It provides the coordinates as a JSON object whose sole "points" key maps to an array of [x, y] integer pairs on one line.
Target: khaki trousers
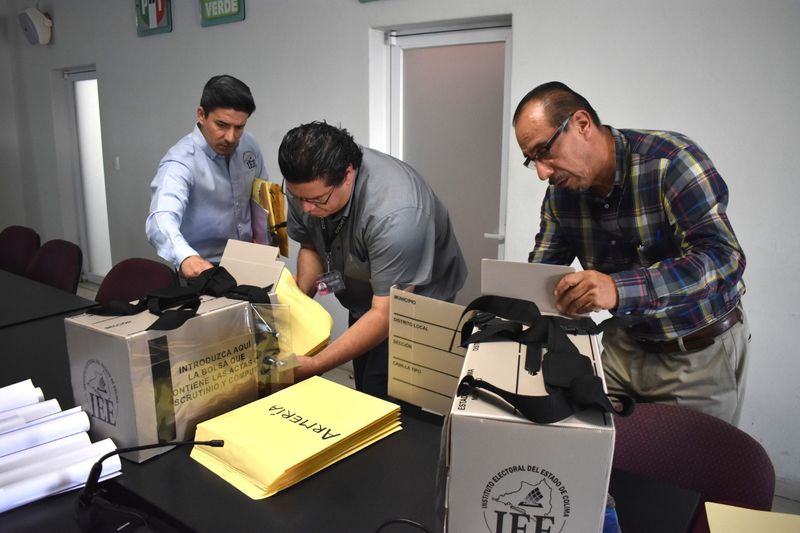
{"points": [[711, 380]]}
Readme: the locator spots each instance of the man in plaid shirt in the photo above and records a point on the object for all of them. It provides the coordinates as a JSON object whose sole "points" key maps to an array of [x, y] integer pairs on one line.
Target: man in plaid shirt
{"points": [[644, 213]]}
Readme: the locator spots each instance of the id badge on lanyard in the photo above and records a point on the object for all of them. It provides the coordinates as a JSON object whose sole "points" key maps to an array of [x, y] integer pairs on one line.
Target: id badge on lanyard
{"points": [[332, 280]]}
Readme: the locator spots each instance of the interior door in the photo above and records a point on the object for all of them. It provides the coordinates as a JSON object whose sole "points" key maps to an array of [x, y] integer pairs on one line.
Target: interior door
{"points": [[448, 119]]}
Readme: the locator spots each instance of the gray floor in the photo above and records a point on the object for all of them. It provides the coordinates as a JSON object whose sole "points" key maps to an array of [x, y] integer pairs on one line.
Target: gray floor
{"points": [[344, 376], [785, 505]]}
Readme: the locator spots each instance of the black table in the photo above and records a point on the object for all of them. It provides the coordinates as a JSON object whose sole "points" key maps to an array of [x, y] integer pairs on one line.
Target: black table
{"points": [[25, 300], [391, 479], [38, 350], [32, 339], [648, 506]]}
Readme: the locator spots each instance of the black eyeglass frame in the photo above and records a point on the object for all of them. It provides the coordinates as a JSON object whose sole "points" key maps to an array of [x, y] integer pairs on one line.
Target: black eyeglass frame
{"points": [[312, 201], [544, 151]]}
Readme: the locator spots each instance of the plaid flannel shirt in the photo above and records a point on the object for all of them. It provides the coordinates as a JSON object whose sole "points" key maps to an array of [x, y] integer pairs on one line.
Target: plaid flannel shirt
{"points": [[662, 234]]}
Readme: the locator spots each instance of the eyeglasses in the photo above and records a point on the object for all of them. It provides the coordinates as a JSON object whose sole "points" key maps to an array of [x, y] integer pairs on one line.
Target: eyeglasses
{"points": [[544, 151], [318, 200]]}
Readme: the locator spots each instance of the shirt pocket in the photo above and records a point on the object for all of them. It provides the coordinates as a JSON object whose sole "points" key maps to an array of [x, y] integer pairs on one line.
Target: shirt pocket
{"points": [[356, 270]]}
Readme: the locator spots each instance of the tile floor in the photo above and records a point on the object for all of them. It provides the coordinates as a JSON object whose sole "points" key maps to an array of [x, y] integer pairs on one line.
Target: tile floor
{"points": [[344, 376]]}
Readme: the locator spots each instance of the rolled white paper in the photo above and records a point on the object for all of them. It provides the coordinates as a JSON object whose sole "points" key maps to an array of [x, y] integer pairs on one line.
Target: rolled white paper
{"points": [[19, 394], [27, 413], [57, 462], [48, 429], [48, 449], [53, 482]]}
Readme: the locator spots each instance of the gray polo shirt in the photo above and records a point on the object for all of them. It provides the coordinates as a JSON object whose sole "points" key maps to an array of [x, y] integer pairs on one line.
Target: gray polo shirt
{"points": [[396, 232]]}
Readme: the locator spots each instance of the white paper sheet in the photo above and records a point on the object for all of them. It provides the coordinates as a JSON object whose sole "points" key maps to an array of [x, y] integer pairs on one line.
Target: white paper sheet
{"points": [[19, 394], [54, 482], [11, 423], [43, 451], [44, 430], [27, 413], [57, 462]]}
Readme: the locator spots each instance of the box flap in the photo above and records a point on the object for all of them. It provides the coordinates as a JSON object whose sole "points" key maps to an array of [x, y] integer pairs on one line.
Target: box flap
{"points": [[527, 281], [425, 358], [125, 326], [252, 264]]}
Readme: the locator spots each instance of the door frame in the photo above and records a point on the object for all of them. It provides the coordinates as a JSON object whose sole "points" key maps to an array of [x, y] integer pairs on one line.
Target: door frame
{"points": [[386, 91], [69, 77]]}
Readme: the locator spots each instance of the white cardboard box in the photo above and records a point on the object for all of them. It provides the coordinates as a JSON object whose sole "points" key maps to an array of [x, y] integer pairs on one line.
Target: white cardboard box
{"points": [[508, 474], [143, 387], [424, 361]]}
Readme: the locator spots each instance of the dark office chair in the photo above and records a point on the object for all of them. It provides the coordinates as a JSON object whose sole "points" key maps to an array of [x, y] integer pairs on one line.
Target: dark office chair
{"points": [[698, 452], [17, 246], [58, 264], [132, 279]]}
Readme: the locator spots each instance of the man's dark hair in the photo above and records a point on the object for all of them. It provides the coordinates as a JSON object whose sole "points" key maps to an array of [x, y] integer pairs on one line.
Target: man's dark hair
{"points": [[559, 102], [228, 93], [317, 150]]}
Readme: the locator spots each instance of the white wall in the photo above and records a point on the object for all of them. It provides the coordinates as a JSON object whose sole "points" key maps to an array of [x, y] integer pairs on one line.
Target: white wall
{"points": [[724, 72]]}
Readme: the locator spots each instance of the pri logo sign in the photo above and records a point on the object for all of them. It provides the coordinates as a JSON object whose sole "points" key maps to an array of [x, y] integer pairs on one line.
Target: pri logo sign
{"points": [[101, 391], [153, 13], [525, 498]]}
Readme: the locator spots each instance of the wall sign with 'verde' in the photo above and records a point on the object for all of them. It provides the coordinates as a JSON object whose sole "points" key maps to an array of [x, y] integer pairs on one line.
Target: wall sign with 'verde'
{"points": [[213, 12]]}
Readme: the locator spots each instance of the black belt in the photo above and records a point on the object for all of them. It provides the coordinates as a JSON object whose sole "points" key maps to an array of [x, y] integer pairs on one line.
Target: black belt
{"points": [[698, 340]]}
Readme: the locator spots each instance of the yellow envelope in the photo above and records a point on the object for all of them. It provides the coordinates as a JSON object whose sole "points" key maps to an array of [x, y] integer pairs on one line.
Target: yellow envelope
{"points": [[731, 519], [275, 442], [310, 324]]}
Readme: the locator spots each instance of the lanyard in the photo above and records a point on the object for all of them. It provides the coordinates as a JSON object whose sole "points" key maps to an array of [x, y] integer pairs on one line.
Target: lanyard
{"points": [[329, 239]]}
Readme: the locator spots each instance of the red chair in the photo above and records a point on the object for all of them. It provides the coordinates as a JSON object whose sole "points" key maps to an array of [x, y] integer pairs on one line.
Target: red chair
{"points": [[17, 246], [132, 279], [58, 264], [696, 451]]}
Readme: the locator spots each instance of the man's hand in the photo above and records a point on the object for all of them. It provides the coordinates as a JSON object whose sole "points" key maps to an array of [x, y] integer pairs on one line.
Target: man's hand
{"points": [[305, 368], [193, 266], [584, 292]]}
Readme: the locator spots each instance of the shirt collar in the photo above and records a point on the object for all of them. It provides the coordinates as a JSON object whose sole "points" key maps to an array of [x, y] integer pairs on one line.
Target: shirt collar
{"points": [[622, 150], [199, 140]]}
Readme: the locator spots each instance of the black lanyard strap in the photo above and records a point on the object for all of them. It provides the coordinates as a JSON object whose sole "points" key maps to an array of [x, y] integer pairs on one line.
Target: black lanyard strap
{"points": [[336, 231], [175, 305], [568, 376]]}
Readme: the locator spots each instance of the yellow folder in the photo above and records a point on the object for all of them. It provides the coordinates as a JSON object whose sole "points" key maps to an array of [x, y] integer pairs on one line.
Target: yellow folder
{"points": [[277, 441], [271, 200]]}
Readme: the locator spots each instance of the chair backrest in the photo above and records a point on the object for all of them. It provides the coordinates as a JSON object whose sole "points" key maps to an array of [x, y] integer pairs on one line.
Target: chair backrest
{"points": [[696, 451], [17, 246], [132, 279], [58, 264]]}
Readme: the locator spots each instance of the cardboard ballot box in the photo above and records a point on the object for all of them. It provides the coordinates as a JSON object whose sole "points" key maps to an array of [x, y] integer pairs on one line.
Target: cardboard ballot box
{"points": [[425, 358], [143, 387], [508, 474]]}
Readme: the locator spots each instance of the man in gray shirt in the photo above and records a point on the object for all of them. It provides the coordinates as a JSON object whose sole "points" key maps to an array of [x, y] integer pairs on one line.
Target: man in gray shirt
{"points": [[365, 221]]}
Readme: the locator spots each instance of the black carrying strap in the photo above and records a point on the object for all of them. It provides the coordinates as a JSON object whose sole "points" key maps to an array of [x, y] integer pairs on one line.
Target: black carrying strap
{"points": [[175, 305], [568, 376]]}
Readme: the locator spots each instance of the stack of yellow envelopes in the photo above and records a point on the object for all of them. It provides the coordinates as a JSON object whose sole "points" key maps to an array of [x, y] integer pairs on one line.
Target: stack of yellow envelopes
{"points": [[275, 442]]}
